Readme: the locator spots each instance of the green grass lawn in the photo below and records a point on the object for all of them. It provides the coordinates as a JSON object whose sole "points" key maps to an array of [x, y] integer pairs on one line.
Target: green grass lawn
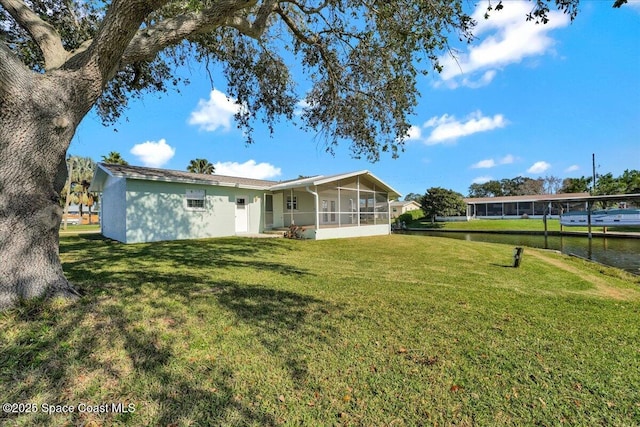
{"points": [[394, 330], [73, 229]]}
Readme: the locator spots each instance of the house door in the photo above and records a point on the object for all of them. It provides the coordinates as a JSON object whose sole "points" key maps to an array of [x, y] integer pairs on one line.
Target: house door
{"points": [[278, 210], [242, 218], [268, 211], [328, 211]]}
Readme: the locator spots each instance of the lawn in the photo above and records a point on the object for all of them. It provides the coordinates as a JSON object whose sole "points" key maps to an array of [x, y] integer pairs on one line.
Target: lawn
{"points": [[73, 229], [393, 330], [492, 224]]}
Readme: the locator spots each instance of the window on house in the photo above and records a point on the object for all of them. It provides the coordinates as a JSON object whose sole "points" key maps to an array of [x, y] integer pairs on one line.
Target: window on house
{"points": [[195, 199], [195, 203], [292, 203]]}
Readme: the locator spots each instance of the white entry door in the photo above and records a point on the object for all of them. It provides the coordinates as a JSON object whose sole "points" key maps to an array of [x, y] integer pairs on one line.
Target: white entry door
{"points": [[278, 210], [242, 218], [328, 211]]}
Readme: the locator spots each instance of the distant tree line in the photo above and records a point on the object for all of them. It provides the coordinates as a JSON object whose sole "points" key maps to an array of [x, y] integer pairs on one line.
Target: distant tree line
{"points": [[438, 201], [627, 183]]}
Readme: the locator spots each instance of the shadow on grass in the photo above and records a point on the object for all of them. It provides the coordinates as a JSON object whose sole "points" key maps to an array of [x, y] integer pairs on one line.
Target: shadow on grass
{"points": [[125, 341], [108, 262], [503, 265]]}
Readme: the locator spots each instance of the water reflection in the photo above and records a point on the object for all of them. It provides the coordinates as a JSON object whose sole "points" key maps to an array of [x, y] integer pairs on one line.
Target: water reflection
{"points": [[617, 252]]}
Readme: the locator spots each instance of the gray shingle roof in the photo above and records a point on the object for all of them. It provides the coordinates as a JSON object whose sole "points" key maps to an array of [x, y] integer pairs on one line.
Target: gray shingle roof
{"points": [[166, 175], [154, 174]]}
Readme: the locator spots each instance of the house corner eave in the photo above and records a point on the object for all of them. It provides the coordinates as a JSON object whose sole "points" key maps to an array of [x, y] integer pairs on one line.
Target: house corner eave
{"points": [[99, 179]]}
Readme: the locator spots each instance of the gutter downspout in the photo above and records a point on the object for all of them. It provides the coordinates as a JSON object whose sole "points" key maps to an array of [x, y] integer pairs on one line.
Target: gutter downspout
{"points": [[315, 195], [389, 212], [358, 198], [291, 209]]}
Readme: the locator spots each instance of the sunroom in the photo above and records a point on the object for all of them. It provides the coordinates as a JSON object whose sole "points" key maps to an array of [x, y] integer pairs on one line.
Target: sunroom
{"points": [[327, 207]]}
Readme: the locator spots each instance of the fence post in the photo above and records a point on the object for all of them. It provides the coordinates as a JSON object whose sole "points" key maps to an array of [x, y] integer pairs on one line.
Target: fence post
{"points": [[517, 256]]}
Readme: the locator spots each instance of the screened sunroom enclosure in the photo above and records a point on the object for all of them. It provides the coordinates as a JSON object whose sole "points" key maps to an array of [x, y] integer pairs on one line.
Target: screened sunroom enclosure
{"points": [[356, 204], [531, 206]]}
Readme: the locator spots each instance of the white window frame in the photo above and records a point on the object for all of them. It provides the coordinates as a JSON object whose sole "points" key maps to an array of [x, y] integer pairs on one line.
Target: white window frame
{"points": [[192, 196], [292, 200]]}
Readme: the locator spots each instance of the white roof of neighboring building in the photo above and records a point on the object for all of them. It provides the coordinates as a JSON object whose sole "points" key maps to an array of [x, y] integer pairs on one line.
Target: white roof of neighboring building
{"points": [[528, 198], [560, 197]]}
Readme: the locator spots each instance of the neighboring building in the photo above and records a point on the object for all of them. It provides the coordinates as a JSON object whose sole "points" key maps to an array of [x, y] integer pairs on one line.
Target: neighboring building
{"points": [[74, 218], [533, 206], [145, 204], [398, 207]]}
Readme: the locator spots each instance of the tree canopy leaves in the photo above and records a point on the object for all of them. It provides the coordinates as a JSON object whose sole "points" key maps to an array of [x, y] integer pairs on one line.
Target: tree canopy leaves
{"points": [[201, 166], [627, 183], [114, 158], [438, 201], [518, 186], [361, 58]]}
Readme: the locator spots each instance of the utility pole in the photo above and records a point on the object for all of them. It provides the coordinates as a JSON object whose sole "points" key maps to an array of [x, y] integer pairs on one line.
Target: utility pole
{"points": [[593, 190], [593, 166]]}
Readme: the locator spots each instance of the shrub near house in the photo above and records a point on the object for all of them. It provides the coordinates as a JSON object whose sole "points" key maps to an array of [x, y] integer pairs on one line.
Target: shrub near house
{"points": [[410, 216]]}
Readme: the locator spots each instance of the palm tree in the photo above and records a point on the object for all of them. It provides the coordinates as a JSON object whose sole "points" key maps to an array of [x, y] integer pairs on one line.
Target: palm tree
{"points": [[81, 171], [114, 158], [201, 166]]}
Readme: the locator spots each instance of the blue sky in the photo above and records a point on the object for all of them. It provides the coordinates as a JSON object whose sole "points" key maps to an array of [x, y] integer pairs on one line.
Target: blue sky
{"points": [[523, 99]]}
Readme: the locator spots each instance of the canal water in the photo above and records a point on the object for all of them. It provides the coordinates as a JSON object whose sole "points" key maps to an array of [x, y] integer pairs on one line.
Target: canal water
{"points": [[618, 252]]}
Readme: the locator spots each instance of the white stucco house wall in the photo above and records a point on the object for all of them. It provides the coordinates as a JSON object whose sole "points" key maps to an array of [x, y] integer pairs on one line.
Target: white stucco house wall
{"points": [[399, 207], [140, 204]]}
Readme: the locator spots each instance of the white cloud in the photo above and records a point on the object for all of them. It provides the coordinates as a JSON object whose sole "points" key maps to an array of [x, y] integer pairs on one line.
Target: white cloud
{"points": [[248, 169], [413, 134], [481, 179], [153, 154], [448, 128], [215, 113], [572, 168], [507, 160], [484, 164], [301, 106], [633, 4], [490, 163], [506, 38], [539, 167]]}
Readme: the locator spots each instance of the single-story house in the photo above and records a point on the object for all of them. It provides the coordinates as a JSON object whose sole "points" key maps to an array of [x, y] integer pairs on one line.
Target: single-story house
{"points": [[142, 204], [530, 206], [399, 207]]}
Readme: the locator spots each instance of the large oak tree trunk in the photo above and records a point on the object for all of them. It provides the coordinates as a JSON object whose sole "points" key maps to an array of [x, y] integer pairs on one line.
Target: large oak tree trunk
{"points": [[37, 121]]}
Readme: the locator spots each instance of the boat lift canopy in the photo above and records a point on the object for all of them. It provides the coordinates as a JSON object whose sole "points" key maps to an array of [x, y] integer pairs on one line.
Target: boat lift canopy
{"points": [[590, 200]]}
